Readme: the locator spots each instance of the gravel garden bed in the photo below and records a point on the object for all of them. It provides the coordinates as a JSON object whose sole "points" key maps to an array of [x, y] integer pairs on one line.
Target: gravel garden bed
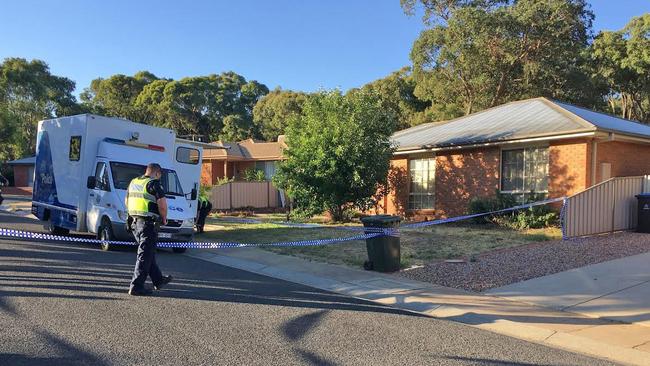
{"points": [[509, 265]]}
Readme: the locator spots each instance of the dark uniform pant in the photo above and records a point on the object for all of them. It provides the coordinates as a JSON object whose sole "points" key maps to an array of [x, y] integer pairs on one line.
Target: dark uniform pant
{"points": [[146, 235], [204, 210]]}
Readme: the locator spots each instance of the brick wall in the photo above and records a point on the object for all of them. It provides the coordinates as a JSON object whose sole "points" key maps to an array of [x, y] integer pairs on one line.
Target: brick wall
{"points": [[206, 173], [465, 174], [569, 167], [462, 175], [626, 159], [398, 183]]}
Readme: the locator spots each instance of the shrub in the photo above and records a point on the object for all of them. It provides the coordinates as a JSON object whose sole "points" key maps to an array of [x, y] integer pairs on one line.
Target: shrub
{"points": [[530, 218], [254, 175], [224, 180]]}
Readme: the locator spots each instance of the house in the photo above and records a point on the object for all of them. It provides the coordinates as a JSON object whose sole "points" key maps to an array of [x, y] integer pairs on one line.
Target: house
{"points": [[539, 145], [240, 156], [23, 171]]}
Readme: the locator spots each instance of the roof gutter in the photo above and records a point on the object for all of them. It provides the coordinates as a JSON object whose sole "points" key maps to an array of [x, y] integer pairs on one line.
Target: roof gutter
{"points": [[495, 143]]}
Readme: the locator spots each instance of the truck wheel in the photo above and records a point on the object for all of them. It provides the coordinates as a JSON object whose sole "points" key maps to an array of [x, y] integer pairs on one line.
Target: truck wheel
{"points": [[56, 230], [105, 233], [179, 250]]}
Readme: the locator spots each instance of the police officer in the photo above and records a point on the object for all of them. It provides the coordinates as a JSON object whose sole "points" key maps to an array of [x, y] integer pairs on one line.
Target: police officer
{"points": [[147, 206], [203, 210]]}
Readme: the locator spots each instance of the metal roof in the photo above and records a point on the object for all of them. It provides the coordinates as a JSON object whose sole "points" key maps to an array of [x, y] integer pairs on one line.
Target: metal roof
{"points": [[513, 121], [24, 161]]}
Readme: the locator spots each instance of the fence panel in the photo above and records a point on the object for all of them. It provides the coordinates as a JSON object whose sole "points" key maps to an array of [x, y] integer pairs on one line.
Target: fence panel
{"points": [[236, 195], [608, 206]]}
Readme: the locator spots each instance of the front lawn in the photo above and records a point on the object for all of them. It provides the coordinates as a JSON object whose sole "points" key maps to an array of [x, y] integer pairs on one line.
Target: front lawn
{"points": [[447, 241]]}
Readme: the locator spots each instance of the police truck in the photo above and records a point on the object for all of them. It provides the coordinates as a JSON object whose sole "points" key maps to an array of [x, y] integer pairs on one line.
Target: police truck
{"points": [[84, 165]]}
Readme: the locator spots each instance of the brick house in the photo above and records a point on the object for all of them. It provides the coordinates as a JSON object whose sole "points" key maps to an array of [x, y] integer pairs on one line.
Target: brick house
{"points": [[23, 170], [538, 145], [240, 156]]}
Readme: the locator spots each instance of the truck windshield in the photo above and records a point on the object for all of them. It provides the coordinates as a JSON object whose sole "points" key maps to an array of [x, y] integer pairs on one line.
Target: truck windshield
{"points": [[123, 173]]}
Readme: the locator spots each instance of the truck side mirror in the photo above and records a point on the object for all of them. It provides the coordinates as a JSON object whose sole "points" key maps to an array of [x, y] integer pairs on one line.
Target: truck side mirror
{"points": [[193, 194], [91, 182]]}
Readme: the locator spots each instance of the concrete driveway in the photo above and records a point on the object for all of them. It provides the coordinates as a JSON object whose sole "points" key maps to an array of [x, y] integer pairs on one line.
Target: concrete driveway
{"points": [[617, 290]]}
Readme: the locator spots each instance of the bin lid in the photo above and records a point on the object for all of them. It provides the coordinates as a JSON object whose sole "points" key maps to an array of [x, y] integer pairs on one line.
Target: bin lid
{"points": [[380, 219], [643, 195]]}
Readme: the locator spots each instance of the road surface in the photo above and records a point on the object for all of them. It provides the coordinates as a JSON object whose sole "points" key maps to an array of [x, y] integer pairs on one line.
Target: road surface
{"points": [[66, 304]]}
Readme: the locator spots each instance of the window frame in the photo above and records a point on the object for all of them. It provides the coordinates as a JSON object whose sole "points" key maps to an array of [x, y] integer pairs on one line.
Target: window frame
{"points": [[106, 188], [524, 148], [431, 177], [198, 153], [70, 156]]}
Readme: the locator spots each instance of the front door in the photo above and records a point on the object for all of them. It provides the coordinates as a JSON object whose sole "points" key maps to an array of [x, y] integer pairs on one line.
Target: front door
{"points": [[98, 197]]}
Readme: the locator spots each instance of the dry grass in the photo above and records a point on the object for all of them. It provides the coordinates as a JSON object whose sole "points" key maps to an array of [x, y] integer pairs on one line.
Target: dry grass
{"points": [[449, 241]]}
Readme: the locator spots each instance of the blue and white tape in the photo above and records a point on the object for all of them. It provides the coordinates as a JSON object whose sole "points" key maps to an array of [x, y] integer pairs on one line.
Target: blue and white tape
{"points": [[466, 217], [21, 234], [369, 232]]}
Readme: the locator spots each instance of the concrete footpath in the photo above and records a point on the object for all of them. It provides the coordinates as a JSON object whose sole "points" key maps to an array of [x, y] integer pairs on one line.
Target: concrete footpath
{"points": [[616, 341], [616, 290]]}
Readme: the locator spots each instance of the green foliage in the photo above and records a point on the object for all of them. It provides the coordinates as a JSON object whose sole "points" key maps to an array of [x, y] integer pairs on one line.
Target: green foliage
{"points": [[483, 56], [28, 94], [397, 95], [208, 106], [622, 60], [531, 218], [254, 175], [236, 128], [224, 180], [273, 111], [205, 190], [116, 96], [339, 152]]}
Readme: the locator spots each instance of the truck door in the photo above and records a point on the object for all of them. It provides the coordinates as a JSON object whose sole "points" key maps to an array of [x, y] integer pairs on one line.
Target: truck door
{"points": [[98, 197], [187, 163]]}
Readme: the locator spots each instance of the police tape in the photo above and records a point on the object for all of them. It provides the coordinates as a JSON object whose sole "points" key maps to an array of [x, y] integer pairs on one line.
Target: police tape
{"points": [[491, 213], [21, 234], [392, 231], [369, 232]]}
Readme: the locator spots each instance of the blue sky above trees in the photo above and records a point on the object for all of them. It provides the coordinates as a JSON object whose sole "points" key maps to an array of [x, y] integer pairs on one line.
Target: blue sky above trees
{"points": [[300, 45]]}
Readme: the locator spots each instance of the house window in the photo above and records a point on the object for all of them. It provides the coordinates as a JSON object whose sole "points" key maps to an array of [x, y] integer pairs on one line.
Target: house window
{"points": [[422, 192], [268, 167], [524, 170], [75, 148]]}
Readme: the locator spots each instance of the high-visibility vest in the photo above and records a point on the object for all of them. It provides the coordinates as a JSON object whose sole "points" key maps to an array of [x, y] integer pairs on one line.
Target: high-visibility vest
{"points": [[138, 199]]}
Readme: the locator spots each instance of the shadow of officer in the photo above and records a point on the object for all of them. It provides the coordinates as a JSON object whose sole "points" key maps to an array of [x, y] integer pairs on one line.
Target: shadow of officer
{"points": [[147, 208]]}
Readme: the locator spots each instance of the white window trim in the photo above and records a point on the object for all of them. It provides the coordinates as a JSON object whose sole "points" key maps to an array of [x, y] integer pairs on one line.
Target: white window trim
{"points": [[427, 194], [519, 147]]}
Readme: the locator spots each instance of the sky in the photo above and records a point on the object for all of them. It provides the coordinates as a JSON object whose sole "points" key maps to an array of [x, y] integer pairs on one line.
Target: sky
{"points": [[295, 44]]}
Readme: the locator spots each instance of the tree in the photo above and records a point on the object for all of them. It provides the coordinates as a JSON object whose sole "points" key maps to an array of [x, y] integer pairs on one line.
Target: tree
{"points": [[30, 93], [622, 60], [198, 105], [236, 128], [116, 96], [485, 56], [397, 93], [272, 112], [11, 146], [338, 153], [436, 11]]}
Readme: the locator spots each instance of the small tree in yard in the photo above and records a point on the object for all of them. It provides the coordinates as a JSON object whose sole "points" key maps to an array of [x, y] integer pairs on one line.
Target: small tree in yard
{"points": [[338, 153]]}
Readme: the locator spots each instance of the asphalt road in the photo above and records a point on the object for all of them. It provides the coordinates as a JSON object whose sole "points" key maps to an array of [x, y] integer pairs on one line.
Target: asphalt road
{"points": [[66, 304]]}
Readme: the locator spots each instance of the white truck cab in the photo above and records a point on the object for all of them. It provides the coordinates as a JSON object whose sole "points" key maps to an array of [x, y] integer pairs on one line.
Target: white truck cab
{"points": [[85, 163]]}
